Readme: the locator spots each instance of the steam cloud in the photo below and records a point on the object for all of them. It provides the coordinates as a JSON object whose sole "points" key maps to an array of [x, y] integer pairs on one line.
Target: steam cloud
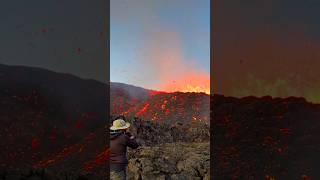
{"points": [[163, 62]]}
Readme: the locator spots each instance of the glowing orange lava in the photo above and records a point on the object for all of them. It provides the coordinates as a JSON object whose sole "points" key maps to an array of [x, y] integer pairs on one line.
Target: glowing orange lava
{"points": [[195, 88], [144, 109], [188, 83]]}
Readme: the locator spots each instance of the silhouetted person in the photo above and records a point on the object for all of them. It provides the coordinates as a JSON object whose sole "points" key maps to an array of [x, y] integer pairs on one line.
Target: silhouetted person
{"points": [[120, 139]]}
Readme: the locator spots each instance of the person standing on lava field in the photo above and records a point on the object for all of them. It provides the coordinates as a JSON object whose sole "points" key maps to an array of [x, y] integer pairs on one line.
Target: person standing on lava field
{"points": [[120, 139]]}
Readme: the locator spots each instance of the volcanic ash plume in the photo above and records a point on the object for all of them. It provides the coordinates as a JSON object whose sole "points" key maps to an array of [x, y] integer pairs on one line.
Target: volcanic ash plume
{"points": [[163, 63]]}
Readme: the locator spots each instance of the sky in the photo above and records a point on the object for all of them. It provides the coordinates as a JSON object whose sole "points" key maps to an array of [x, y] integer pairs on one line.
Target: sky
{"points": [[161, 45], [267, 48], [260, 47], [62, 36]]}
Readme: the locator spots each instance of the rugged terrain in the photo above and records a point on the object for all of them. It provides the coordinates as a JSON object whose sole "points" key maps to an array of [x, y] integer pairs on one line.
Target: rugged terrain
{"points": [[171, 161], [265, 137], [158, 106], [45, 113], [55, 126], [176, 151]]}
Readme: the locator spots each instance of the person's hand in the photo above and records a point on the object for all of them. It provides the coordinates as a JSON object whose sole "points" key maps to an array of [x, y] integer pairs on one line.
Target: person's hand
{"points": [[128, 134], [132, 137]]}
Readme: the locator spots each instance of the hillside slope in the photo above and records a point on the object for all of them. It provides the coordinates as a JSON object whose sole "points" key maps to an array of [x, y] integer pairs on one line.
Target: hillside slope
{"points": [[43, 112], [173, 107], [57, 122], [263, 137]]}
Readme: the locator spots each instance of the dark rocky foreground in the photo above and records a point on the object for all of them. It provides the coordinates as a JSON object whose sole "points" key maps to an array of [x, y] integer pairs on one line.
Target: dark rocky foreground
{"points": [[151, 133], [271, 138], [43, 174], [171, 161], [170, 151]]}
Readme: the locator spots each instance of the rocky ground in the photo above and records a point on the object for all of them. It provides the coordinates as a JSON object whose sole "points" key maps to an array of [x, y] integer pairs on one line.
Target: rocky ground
{"points": [[151, 133], [265, 138], [171, 161], [44, 174], [51, 129], [170, 151]]}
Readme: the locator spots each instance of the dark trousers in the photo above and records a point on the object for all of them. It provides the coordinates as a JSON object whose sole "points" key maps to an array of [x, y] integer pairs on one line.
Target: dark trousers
{"points": [[118, 171]]}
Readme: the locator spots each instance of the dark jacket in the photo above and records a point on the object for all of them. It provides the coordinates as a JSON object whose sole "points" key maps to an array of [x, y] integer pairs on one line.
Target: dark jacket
{"points": [[119, 142]]}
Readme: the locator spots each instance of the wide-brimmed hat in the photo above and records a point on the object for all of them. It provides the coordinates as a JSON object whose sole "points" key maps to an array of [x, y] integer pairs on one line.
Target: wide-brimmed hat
{"points": [[119, 124]]}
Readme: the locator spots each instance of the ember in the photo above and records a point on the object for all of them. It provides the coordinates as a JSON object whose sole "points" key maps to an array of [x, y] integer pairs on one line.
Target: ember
{"points": [[35, 143]]}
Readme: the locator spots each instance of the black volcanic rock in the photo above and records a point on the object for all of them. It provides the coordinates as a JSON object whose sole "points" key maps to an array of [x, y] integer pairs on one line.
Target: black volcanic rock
{"points": [[171, 161], [56, 122], [169, 151], [172, 108], [150, 133], [123, 97], [43, 112], [263, 137]]}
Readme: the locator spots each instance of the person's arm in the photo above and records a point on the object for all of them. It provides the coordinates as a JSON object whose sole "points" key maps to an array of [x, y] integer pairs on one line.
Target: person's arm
{"points": [[131, 142]]}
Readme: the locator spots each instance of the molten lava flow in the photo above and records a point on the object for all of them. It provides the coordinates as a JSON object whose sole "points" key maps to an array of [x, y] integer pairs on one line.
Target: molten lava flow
{"points": [[193, 88], [100, 160], [65, 152], [193, 82], [145, 107]]}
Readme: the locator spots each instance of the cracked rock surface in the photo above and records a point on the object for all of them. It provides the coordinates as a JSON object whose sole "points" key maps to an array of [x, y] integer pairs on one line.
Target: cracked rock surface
{"points": [[170, 161]]}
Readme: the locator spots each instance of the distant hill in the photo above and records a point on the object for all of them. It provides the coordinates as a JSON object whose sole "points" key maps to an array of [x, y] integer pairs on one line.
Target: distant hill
{"points": [[124, 96]]}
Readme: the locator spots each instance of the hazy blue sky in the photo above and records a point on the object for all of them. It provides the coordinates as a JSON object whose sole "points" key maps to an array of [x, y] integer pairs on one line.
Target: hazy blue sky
{"points": [[151, 39]]}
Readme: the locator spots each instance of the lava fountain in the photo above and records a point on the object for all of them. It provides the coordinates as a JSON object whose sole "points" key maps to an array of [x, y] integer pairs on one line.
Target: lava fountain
{"points": [[192, 82]]}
